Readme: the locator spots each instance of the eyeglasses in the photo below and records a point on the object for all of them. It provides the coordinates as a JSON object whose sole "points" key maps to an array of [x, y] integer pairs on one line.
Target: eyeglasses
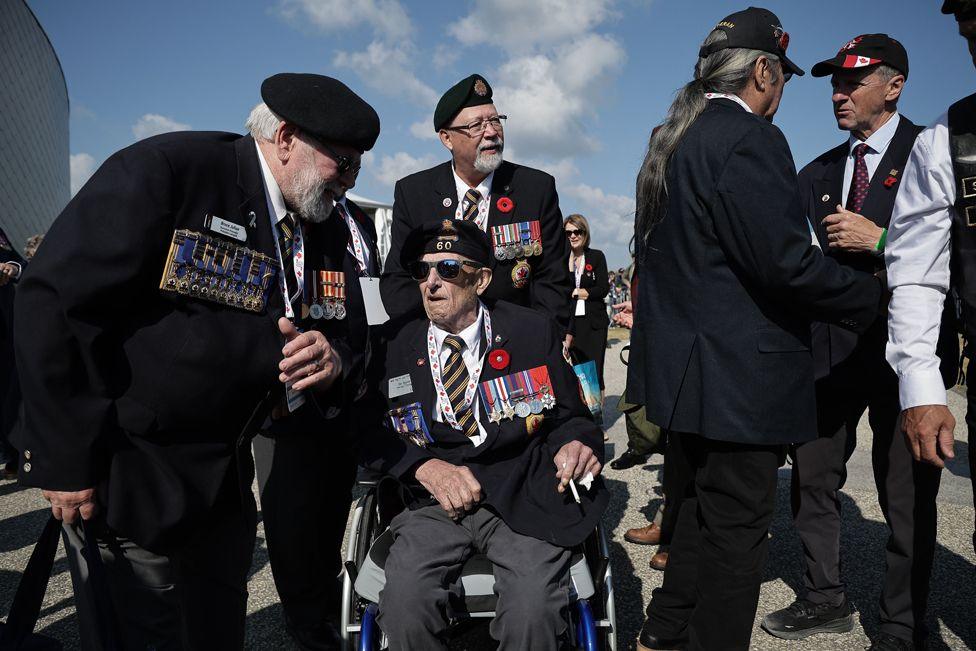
{"points": [[446, 269], [344, 163], [478, 128], [572, 232]]}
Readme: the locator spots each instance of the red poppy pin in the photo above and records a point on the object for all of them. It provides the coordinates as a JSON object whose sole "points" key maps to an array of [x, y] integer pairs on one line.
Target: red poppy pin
{"points": [[890, 181], [505, 204], [589, 267], [420, 361], [498, 359]]}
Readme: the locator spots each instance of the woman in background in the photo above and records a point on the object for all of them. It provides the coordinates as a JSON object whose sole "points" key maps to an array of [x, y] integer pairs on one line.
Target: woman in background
{"points": [[592, 283]]}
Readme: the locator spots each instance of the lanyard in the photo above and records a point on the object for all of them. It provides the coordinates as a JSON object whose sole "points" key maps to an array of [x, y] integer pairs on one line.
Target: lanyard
{"points": [[435, 372], [356, 247], [298, 257]]}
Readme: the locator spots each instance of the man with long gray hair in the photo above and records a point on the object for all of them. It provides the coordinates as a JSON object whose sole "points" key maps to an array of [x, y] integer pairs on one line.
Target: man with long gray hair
{"points": [[730, 282]]}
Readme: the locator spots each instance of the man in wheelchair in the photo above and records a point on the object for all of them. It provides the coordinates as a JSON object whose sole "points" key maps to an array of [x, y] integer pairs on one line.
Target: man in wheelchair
{"points": [[484, 426]]}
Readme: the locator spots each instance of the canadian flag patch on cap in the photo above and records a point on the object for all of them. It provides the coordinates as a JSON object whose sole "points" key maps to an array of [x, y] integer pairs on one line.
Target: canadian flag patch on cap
{"points": [[855, 61]]}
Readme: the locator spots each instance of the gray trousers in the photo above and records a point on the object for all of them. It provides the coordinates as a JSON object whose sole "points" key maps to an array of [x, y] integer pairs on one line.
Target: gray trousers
{"points": [[531, 581], [193, 599]]}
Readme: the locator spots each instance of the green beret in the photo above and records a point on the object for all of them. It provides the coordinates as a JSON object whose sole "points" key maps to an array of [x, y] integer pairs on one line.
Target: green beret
{"points": [[470, 91]]}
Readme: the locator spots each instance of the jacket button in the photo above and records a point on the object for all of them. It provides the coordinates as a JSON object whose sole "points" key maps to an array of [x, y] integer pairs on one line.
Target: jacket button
{"points": [[27, 467], [27, 454]]}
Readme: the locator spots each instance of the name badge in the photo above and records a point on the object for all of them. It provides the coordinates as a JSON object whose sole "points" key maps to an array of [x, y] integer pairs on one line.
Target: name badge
{"points": [[227, 229], [399, 386], [375, 312]]}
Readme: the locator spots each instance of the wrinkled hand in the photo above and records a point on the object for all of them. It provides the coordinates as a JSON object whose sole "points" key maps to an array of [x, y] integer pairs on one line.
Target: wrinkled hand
{"points": [[928, 433], [7, 272], [849, 231], [625, 317], [454, 487], [573, 461], [67, 505], [309, 361]]}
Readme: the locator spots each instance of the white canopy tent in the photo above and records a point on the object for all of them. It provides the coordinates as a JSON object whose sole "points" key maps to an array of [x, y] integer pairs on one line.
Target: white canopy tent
{"points": [[382, 214]]}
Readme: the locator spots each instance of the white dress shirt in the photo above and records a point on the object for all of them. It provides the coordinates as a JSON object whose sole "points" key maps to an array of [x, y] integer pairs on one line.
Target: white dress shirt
{"points": [[917, 259], [277, 210], [471, 356], [877, 144], [484, 189]]}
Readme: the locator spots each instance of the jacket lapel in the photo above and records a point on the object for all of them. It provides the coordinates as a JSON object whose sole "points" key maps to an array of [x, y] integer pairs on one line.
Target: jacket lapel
{"points": [[880, 199], [446, 193], [501, 186], [827, 191]]}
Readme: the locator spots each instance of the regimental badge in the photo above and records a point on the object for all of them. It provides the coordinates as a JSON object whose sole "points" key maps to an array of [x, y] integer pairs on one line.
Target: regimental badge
{"points": [[534, 423], [518, 240], [408, 421], [521, 394], [216, 270], [480, 88], [520, 274], [328, 296]]}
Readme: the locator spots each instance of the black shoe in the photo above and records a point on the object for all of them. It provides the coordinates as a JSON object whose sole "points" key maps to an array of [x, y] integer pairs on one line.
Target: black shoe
{"points": [[888, 642], [322, 637], [650, 642], [628, 459], [803, 618]]}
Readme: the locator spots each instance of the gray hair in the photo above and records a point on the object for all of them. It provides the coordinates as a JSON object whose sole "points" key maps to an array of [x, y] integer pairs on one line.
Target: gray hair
{"points": [[723, 71], [887, 73], [262, 122]]}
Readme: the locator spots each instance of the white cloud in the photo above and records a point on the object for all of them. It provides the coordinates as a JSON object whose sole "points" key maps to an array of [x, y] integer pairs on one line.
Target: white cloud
{"points": [[387, 68], [611, 216], [393, 168], [387, 18], [519, 26], [423, 130], [153, 124], [82, 167]]}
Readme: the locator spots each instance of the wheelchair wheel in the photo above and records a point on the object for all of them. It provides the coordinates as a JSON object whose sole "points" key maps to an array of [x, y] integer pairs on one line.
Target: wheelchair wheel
{"points": [[362, 532]]}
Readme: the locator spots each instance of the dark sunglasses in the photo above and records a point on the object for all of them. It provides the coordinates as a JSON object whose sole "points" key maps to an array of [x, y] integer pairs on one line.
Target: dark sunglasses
{"points": [[446, 269], [571, 232], [344, 163]]}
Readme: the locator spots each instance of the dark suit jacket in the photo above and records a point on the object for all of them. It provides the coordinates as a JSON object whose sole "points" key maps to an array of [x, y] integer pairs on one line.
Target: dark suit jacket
{"points": [[596, 281], [729, 283], [421, 197], [9, 387], [515, 469], [140, 392], [821, 189]]}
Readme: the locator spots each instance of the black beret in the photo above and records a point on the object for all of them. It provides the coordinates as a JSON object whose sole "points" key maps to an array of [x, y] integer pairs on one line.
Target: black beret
{"points": [[963, 9], [456, 236], [323, 107], [470, 91], [864, 51]]}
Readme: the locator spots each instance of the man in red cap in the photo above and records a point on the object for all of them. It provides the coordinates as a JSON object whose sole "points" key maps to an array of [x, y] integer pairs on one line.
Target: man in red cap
{"points": [[848, 193]]}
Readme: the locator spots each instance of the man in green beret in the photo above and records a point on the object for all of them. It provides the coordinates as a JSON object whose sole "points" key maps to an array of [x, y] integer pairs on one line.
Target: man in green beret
{"points": [[516, 206]]}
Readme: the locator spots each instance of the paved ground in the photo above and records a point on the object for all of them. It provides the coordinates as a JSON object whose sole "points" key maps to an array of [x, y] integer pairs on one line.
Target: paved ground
{"points": [[951, 608]]}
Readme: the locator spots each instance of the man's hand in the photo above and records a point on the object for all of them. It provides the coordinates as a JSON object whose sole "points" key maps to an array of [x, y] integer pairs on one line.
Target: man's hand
{"points": [[67, 505], [309, 361], [928, 433], [573, 461], [8, 272], [625, 316], [849, 231], [454, 487]]}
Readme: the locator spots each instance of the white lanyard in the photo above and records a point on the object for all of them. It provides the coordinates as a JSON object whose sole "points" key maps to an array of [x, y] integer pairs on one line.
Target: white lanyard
{"points": [[482, 217], [357, 249], [298, 256], [578, 265], [435, 371]]}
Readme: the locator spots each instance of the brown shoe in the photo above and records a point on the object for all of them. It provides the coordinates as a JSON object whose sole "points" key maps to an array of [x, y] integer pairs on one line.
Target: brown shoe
{"points": [[649, 535], [659, 561]]}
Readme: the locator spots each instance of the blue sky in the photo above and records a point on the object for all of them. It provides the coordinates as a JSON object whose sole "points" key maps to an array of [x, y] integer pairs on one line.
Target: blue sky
{"points": [[583, 81]]}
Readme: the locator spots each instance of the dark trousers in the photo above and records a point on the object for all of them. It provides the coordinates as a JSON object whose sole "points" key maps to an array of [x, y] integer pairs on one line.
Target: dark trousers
{"points": [[195, 597], [971, 426], [711, 584], [591, 343], [305, 483], [906, 492], [678, 475]]}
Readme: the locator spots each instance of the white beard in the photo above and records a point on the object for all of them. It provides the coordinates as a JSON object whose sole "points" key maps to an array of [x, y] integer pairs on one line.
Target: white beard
{"points": [[309, 195], [488, 163]]}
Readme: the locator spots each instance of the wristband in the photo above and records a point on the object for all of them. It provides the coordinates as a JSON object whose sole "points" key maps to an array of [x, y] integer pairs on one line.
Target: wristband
{"points": [[879, 247]]}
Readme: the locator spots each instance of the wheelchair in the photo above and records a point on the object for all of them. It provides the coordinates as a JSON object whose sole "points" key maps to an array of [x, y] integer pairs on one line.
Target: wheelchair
{"points": [[592, 612]]}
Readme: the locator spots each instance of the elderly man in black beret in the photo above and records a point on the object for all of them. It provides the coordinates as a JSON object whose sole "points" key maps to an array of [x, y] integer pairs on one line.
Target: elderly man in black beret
{"points": [[189, 290], [483, 422], [516, 206]]}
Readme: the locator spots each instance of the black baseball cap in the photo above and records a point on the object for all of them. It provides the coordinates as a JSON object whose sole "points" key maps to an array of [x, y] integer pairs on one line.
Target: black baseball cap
{"points": [[754, 29], [865, 51], [963, 9]]}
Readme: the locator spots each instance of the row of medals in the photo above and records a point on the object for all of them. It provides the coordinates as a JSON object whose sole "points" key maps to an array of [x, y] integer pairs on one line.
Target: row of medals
{"points": [[330, 302], [515, 251], [328, 309], [523, 407]]}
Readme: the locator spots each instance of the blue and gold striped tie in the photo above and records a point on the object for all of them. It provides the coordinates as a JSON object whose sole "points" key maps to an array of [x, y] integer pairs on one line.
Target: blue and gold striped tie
{"points": [[455, 375], [471, 198]]}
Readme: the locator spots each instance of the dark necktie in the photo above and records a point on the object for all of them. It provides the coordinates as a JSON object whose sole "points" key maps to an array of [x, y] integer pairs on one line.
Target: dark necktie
{"points": [[471, 198], [455, 375], [859, 180], [286, 242]]}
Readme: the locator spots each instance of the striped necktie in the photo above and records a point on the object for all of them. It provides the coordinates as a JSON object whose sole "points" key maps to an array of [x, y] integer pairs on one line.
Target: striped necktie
{"points": [[455, 375], [471, 198], [286, 242]]}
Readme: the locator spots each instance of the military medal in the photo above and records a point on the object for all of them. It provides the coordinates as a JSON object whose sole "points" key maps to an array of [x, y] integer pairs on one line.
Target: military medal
{"points": [[330, 295], [315, 311], [408, 421], [533, 423], [520, 274]]}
